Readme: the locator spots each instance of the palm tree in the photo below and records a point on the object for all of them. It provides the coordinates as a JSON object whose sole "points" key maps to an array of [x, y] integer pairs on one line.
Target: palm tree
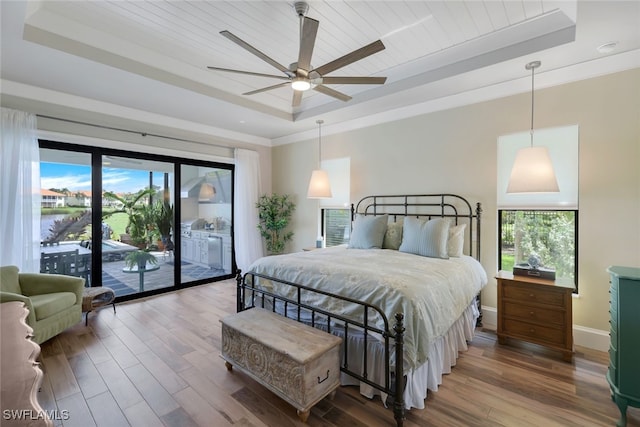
{"points": [[136, 212]]}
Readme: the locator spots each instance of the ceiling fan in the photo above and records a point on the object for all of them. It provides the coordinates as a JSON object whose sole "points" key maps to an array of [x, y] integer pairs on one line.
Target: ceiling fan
{"points": [[300, 75]]}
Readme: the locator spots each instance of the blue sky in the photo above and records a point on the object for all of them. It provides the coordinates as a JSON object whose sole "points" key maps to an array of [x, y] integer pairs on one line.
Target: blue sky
{"points": [[78, 178]]}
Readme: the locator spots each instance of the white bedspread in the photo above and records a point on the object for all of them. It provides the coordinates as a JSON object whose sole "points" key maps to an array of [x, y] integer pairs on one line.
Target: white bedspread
{"points": [[431, 293]]}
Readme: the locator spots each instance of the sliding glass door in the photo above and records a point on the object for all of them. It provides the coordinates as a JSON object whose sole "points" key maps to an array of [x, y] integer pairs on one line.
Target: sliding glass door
{"points": [[205, 222], [65, 221], [137, 224], [116, 218]]}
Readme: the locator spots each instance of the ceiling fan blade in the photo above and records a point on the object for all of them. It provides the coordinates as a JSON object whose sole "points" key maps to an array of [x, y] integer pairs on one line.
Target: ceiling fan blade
{"points": [[354, 80], [349, 58], [297, 98], [331, 92], [255, 51], [264, 89], [307, 42], [273, 76]]}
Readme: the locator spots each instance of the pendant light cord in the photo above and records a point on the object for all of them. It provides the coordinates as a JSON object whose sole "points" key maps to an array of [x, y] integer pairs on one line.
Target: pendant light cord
{"points": [[531, 131], [319, 122], [532, 66]]}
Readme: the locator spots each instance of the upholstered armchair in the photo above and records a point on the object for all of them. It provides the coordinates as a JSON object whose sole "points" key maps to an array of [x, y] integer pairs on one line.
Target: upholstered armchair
{"points": [[54, 301]]}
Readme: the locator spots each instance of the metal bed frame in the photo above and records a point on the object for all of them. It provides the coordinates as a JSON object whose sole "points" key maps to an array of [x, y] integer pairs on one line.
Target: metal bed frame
{"points": [[423, 206]]}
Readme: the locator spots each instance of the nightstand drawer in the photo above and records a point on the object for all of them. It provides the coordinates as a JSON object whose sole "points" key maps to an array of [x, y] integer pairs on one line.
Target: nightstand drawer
{"points": [[537, 314], [530, 294], [533, 332]]}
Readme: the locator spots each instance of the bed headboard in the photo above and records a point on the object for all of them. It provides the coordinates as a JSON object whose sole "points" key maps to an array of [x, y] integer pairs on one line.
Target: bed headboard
{"points": [[427, 206]]}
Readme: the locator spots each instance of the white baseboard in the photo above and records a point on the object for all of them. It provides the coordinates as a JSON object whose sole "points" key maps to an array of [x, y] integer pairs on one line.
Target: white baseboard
{"points": [[582, 336]]}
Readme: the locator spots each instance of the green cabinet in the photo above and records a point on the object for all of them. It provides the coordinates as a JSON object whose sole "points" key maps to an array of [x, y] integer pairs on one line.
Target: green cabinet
{"points": [[624, 351]]}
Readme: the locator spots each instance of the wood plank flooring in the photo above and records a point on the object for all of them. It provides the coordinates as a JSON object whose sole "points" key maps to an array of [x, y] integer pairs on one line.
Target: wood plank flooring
{"points": [[156, 363]]}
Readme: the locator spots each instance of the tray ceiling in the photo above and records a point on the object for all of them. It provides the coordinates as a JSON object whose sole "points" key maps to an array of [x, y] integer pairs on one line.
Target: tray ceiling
{"points": [[152, 55]]}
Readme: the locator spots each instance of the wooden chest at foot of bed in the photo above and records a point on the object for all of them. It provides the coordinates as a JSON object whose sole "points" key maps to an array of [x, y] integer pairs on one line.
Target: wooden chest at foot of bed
{"points": [[299, 363]]}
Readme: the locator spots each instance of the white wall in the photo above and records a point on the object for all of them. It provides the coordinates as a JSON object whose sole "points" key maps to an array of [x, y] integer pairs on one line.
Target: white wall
{"points": [[455, 151]]}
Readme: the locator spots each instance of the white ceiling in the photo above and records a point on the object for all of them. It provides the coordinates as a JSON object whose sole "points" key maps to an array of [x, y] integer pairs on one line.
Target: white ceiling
{"points": [[151, 57]]}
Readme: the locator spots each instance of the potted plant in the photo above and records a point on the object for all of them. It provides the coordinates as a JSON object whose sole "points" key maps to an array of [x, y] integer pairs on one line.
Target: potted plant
{"points": [[139, 259], [274, 214]]}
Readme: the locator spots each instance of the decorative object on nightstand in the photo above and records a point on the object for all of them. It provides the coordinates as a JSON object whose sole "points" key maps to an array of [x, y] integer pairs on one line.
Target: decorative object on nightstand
{"points": [[624, 351], [534, 268], [535, 310]]}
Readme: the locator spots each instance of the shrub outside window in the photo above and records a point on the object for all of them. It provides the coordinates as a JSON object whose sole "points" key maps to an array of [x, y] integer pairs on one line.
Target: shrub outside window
{"points": [[549, 234]]}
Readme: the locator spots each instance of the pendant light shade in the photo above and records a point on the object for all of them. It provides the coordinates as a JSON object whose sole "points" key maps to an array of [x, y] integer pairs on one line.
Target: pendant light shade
{"points": [[207, 192], [319, 185], [532, 170]]}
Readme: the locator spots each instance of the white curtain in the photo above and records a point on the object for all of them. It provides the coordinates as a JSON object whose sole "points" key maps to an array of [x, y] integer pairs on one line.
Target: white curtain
{"points": [[20, 191], [248, 243]]}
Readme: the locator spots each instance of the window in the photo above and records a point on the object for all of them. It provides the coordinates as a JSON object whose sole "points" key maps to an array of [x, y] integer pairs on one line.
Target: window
{"points": [[549, 234], [336, 226]]}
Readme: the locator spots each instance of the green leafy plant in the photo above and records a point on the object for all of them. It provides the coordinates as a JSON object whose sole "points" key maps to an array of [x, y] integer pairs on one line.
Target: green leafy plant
{"points": [[139, 259], [138, 213], [274, 214], [163, 215]]}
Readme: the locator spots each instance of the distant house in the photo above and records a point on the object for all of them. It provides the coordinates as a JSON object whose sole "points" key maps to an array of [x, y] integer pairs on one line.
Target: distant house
{"points": [[51, 199], [80, 198]]}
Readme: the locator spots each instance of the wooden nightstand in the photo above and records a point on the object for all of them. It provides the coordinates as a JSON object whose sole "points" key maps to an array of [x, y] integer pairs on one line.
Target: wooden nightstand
{"points": [[535, 310]]}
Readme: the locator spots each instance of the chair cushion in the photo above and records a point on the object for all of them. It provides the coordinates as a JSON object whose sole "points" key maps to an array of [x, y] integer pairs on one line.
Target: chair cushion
{"points": [[9, 279], [49, 304]]}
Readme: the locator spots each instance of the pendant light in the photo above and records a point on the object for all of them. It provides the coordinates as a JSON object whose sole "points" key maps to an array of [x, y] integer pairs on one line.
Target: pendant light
{"points": [[319, 186], [532, 170]]}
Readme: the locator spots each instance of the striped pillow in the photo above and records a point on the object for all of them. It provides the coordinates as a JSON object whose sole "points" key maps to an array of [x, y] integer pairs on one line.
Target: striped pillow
{"points": [[425, 238]]}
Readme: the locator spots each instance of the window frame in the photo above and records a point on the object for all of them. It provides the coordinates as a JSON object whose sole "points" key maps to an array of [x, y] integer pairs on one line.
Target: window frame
{"points": [[576, 229], [323, 225]]}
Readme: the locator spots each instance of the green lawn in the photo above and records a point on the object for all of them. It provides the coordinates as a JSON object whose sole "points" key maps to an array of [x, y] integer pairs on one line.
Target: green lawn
{"points": [[507, 262], [118, 222]]}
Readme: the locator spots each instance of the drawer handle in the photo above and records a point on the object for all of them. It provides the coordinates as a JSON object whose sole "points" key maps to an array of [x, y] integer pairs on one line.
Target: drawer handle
{"points": [[531, 295], [532, 330], [325, 378], [532, 313]]}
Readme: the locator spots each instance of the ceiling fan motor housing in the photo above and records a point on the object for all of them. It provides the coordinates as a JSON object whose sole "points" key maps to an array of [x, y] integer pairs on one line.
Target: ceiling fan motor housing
{"points": [[301, 8]]}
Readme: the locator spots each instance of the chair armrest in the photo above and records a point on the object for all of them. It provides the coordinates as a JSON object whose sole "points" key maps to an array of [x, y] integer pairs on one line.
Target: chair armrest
{"points": [[10, 296], [38, 284]]}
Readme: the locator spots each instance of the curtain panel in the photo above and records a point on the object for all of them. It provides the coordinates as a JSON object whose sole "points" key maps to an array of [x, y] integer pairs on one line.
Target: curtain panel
{"points": [[248, 243], [20, 191]]}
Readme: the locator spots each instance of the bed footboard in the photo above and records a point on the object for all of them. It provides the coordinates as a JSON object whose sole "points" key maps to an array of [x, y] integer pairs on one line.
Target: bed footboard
{"points": [[294, 305]]}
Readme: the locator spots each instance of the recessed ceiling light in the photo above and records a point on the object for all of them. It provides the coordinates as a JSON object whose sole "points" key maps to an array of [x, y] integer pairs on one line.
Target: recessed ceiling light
{"points": [[607, 47]]}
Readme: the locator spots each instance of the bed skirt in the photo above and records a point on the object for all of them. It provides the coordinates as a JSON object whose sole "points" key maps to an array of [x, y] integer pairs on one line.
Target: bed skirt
{"points": [[443, 354]]}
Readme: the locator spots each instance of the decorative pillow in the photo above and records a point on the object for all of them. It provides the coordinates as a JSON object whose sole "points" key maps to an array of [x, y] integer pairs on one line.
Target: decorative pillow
{"points": [[425, 238], [368, 232], [393, 236], [455, 245]]}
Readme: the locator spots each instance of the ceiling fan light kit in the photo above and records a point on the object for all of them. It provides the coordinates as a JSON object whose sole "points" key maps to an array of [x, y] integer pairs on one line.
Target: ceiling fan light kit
{"points": [[301, 75], [300, 83]]}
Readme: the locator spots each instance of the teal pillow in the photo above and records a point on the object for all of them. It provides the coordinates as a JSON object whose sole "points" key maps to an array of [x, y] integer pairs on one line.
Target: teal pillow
{"points": [[368, 232], [425, 238]]}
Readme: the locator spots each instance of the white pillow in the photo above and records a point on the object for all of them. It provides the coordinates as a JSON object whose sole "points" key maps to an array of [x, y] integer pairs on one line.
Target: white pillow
{"points": [[425, 238], [368, 232], [455, 244]]}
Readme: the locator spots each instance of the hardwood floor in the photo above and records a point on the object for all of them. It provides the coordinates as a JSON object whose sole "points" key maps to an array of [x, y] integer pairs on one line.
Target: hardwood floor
{"points": [[155, 362]]}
